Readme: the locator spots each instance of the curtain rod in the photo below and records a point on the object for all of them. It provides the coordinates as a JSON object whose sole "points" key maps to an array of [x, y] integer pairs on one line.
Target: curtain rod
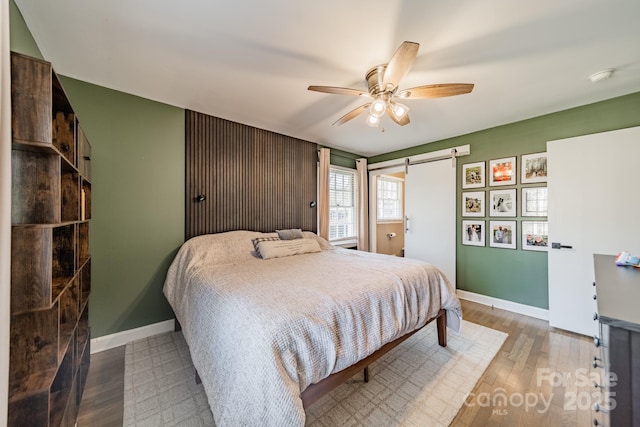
{"points": [[342, 155], [406, 163]]}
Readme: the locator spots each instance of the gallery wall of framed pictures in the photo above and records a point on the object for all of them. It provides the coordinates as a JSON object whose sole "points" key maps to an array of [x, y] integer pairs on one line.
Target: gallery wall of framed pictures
{"points": [[492, 213]]}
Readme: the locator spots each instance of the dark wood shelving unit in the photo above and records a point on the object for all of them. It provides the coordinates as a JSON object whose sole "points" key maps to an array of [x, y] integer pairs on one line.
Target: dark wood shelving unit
{"points": [[50, 252]]}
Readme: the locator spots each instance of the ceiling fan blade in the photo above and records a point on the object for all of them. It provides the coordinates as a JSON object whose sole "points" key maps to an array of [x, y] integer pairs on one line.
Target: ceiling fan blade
{"points": [[402, 121], [351, 114], [338, 90], [436, 91], [400, 64]]}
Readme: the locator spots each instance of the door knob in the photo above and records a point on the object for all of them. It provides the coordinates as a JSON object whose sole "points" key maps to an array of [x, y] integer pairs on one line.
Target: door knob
{"points": [[555, 245]]}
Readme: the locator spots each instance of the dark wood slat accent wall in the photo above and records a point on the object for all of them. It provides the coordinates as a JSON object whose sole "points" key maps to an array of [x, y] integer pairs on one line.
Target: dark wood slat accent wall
{"points": [[252, 179]]}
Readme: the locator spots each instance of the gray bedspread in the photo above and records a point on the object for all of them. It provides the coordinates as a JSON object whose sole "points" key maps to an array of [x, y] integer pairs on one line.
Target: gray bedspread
{"points": [[261, 331]]}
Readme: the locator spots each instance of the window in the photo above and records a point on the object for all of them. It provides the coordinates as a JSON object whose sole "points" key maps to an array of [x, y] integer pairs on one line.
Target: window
{"points": [[389, 199], [342, 204]]}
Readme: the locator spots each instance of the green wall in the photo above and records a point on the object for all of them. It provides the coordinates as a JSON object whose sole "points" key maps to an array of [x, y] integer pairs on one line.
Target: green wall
{"points": [[517, 275], [343, 158], [20, 38], [137, 203], [137, 196]]}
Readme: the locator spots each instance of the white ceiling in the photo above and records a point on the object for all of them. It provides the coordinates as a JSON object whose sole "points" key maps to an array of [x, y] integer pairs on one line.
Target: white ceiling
{"points": [[251, 61]]}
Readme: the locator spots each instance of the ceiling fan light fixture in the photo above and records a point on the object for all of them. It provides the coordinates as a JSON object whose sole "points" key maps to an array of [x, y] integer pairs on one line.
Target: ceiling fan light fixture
{"points": [[399, 110], [383, 89], [601, 75], [378, 107], [373, 121]]}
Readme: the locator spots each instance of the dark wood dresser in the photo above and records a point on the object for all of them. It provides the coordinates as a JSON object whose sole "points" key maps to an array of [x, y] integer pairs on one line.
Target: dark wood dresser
{"points": [[618, 297]]}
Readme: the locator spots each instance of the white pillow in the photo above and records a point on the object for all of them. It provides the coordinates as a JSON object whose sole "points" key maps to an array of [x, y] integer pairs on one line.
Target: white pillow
{"points": [[283, 248], [262, 239]]}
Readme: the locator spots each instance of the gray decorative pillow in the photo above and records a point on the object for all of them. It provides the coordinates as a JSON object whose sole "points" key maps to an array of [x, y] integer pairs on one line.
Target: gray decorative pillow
{"points": [[290, 234], [257, 240]]}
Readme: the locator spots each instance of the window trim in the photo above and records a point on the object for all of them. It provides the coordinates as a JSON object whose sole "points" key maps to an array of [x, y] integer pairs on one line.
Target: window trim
{"points": [[401, 199], [348, 241]]}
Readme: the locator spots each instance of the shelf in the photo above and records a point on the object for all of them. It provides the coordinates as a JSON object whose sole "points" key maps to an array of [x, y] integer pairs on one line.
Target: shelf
{"points": [[71, 412], [35, 195], [34, 350], [39, 147], [84, 155], [63, 253], [32, 385], [69, 302], [45, 188], [50, 257], [63, 126], [70, 193], [31, 94], [83, 242], [33, 407], [83, 330], [58, 285], [44, 226], [30, 268], [85, 283], [61, 388], [85, 201], [83, 372]]}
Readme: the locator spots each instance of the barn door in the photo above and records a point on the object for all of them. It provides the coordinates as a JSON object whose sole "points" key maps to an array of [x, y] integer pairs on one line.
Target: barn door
{"points": [[430, 215]]}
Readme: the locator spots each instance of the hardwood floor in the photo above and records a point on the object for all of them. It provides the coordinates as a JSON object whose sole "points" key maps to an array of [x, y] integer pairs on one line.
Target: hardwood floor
{"points": [[103, 398], [544, 374], [540, 377]]}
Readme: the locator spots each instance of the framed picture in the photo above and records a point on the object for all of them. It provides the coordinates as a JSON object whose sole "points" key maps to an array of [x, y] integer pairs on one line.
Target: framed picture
{"points": [[534, 168], [535, 235], [502, 234], [502, 171], [473, 233], [502, 202], [473, 175], [473, 203], [534, 201]]}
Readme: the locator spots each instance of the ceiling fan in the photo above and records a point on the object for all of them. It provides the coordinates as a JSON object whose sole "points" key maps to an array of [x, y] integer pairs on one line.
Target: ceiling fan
{"points": [[383, 81]]}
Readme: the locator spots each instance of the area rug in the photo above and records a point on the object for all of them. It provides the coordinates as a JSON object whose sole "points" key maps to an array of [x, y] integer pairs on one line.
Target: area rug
{"points": [[418, 383]]}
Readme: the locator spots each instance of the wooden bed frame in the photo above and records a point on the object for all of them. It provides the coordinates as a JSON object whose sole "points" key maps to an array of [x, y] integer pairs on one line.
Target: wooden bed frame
{"points": [[319, 389]]}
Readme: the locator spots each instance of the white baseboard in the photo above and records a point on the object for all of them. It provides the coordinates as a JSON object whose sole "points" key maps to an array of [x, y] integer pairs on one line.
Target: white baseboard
{"points": [[108, 342], [527, 310]]}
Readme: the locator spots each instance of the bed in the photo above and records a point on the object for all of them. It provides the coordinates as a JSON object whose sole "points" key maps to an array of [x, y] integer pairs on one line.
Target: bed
{"points": [[269, 336]]}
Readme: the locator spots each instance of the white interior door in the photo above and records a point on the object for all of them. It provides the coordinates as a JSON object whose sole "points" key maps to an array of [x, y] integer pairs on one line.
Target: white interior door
{"points": [[593, 208], [430, 206]]}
